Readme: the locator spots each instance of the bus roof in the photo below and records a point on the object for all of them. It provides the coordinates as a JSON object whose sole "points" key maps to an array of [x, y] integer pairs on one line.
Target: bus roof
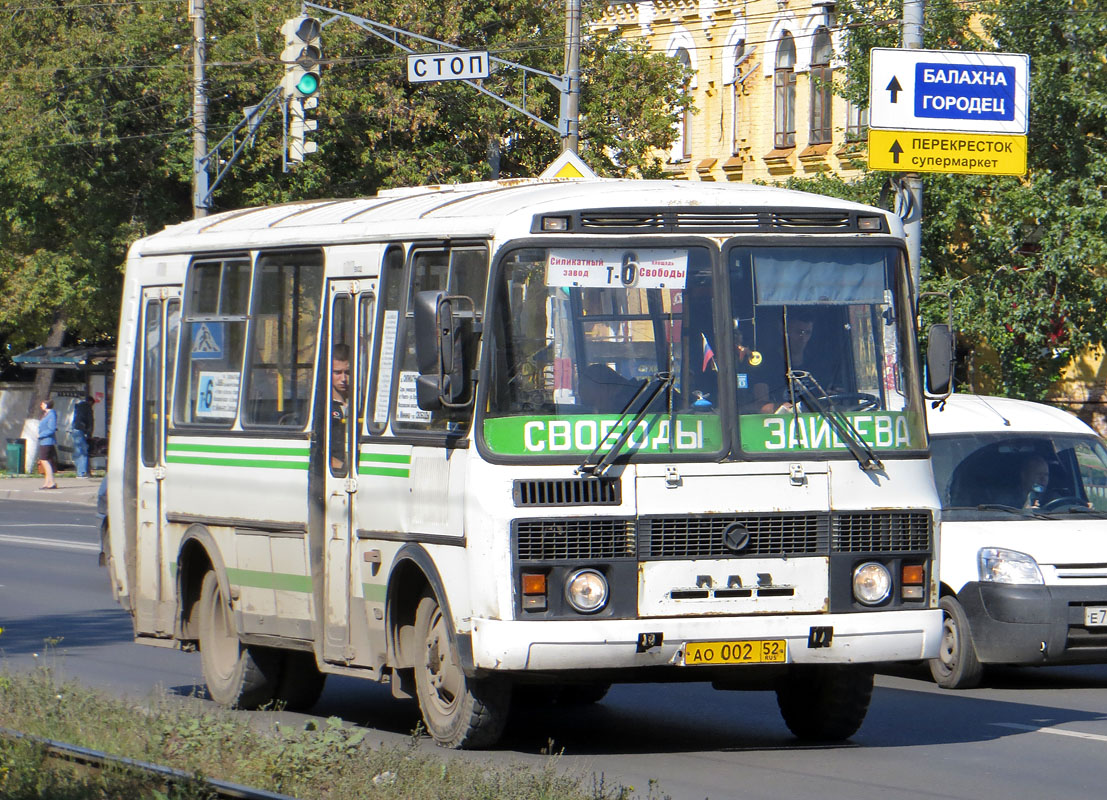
{"points": [[484, 209]]}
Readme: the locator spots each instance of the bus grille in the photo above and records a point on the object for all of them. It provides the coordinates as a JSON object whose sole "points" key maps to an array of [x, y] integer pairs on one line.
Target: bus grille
{"points": [[881, 532], [722, 220], [573, 539], [704, 536], [567, 492]]}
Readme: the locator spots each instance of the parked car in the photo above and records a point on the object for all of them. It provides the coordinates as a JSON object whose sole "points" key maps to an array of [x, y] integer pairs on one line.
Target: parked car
{"points": [[1023, 549]]}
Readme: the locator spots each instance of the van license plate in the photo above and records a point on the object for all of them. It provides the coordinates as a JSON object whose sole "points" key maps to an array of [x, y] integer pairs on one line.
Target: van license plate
{"points": [[752, 651], [1095, 615]]}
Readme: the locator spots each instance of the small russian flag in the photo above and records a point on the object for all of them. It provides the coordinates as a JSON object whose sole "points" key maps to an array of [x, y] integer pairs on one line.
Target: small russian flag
{"points": [[708, 355]]}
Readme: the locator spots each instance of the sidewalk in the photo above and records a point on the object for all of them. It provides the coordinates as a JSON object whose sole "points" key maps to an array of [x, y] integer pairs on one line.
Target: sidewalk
{"points": [[79, 491]]}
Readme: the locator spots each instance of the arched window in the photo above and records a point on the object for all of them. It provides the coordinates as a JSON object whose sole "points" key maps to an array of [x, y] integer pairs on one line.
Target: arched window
{"points": [[736, 99], [784, 84], [822, 80], [682, 147]]}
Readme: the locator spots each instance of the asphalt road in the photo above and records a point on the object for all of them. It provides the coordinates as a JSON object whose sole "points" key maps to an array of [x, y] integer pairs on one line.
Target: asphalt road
{"points": [[1027, 733]]}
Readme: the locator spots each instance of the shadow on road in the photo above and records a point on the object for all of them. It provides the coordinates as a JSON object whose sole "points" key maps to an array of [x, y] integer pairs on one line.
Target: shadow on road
{"points": [[60, 632]]}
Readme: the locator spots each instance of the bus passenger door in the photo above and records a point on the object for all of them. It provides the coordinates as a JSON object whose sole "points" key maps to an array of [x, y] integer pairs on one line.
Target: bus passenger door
{"points": [[161, 310], [344, 410]]}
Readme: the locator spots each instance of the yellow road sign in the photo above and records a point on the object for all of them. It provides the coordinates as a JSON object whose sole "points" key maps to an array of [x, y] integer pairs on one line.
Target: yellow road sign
{"points": [[931, 151]]}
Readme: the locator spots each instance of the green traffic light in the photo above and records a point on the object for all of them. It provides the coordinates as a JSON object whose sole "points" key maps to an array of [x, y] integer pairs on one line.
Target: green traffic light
{"points": [[308, 84]]}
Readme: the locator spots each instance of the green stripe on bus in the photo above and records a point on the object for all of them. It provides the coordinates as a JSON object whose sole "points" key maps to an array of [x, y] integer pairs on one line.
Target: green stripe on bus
{"points": [[388, 458], [236, 462], [244, 449], [373, 592], [384, 472], [281, 581]]}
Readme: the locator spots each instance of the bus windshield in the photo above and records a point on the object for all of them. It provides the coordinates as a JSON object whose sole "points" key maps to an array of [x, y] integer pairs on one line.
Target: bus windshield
{"points": [[821, 360], [588, 341], [584, 338]]}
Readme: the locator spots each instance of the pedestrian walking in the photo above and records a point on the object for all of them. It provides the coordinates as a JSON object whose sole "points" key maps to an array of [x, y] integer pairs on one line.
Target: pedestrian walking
{"points": [[80, 429]]}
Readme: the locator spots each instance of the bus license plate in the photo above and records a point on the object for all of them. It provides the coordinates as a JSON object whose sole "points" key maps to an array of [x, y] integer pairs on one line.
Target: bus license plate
{"points": [[1095, 615], [754, 651]]}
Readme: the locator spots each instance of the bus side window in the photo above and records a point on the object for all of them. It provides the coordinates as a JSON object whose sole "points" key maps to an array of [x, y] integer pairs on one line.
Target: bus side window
{"points": [[341, 361], [288, 289], [213, 337], [384, 359], [457, 271]]}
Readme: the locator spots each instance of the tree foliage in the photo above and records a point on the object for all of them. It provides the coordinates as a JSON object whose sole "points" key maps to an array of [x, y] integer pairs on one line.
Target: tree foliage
{"points": [[97, 121], [1024, 259]]}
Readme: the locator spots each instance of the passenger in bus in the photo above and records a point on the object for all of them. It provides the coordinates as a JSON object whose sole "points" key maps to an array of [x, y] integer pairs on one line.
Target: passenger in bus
{"points": [[340, 405], [769, 387]]}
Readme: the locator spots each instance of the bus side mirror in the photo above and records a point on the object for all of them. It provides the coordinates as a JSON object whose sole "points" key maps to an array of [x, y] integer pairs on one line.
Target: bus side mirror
{"points": [[939, 361], [440, 330]]}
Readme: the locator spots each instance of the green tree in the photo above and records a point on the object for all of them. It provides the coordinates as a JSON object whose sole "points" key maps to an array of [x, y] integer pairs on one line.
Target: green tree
{"points": [[96, 120], [1024, 259]]}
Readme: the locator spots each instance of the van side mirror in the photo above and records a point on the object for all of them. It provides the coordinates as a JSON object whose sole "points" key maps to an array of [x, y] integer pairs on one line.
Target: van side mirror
{"points": [[939, 361], [441, 327]]}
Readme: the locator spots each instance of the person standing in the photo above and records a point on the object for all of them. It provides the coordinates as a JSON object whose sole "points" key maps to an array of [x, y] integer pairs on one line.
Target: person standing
{"points": [[47, 444], [80, 430]]}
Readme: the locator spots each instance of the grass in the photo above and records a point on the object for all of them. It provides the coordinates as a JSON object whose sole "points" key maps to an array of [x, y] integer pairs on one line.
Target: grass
{"points": [[327, 761]]}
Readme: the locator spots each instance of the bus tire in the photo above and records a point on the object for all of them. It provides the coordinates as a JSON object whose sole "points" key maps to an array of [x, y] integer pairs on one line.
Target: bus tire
{"points": [[459, 712], [237, 676], [825, 703], [301, 681], [957, 665]]}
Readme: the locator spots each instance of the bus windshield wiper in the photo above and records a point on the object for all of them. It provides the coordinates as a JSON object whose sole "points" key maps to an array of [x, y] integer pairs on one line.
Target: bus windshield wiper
{"points": [[650, 389], [820, 401], [1022, 512]]}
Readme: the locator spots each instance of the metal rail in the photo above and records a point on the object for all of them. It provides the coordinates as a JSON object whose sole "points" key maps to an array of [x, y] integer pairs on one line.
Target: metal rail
{"points": [[96, 759]]}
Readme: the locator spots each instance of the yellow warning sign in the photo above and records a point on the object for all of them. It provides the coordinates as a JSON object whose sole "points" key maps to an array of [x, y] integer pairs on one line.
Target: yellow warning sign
{"points": [[568, 165], [931, 151]]}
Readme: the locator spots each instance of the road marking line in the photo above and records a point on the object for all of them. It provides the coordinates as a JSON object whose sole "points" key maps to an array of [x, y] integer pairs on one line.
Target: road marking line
{"points": [[61, 544], [1055, 731]]}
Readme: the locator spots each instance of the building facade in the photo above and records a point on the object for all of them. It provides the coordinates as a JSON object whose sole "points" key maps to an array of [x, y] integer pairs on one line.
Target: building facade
{"points": [[763, 72]]}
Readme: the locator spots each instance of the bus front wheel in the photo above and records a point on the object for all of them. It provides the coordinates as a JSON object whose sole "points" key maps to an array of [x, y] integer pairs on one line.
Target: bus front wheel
{"points": [[236, 675], [460, 712], [825, 702]]}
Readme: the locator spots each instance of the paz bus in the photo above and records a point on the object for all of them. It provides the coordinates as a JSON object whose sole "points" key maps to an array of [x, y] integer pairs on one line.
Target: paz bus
{"points": [[527, 439]]}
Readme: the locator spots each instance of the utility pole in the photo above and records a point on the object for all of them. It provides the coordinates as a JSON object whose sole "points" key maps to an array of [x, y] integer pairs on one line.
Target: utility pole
{"points": [[570, 112], [199, 110], [913, 40]]}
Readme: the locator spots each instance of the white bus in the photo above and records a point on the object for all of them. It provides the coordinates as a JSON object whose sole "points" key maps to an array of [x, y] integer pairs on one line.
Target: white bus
{"points": [[528, 438]]}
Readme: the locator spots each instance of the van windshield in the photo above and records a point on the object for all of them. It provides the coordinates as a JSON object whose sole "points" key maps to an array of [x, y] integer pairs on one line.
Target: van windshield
{"points": [[989, 475]]}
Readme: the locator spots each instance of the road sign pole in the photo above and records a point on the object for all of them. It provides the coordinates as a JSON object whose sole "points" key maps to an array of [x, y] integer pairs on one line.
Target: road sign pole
{"points": [[913, 40]]}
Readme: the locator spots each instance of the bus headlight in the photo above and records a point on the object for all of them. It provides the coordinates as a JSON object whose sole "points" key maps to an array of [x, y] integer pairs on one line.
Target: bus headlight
{"points": [[872, 583], [998, 565], [586, 590]]}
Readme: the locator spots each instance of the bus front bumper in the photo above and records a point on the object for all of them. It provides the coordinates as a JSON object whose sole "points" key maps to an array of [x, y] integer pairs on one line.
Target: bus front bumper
{"points": [[626, 644]]}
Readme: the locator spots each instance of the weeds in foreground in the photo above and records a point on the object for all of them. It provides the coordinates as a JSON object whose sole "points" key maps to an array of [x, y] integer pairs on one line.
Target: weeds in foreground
{"points": [[322, 761]]}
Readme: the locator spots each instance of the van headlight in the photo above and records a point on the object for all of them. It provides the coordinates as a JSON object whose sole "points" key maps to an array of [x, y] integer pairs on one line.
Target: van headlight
{"points": [[999, 565], [872, 583]]}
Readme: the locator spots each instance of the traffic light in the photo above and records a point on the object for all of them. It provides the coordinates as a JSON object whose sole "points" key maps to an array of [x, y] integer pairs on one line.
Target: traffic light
{"points": [[302, 54]]}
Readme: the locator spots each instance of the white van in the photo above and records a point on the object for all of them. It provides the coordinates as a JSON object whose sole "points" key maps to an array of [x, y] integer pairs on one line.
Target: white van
{"points": [[1023, 554]]}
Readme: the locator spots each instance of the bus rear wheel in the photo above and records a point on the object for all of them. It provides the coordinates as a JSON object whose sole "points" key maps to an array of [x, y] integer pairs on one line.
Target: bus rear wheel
{"points": [[825, 703], [236, 675], [460, 712]]}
